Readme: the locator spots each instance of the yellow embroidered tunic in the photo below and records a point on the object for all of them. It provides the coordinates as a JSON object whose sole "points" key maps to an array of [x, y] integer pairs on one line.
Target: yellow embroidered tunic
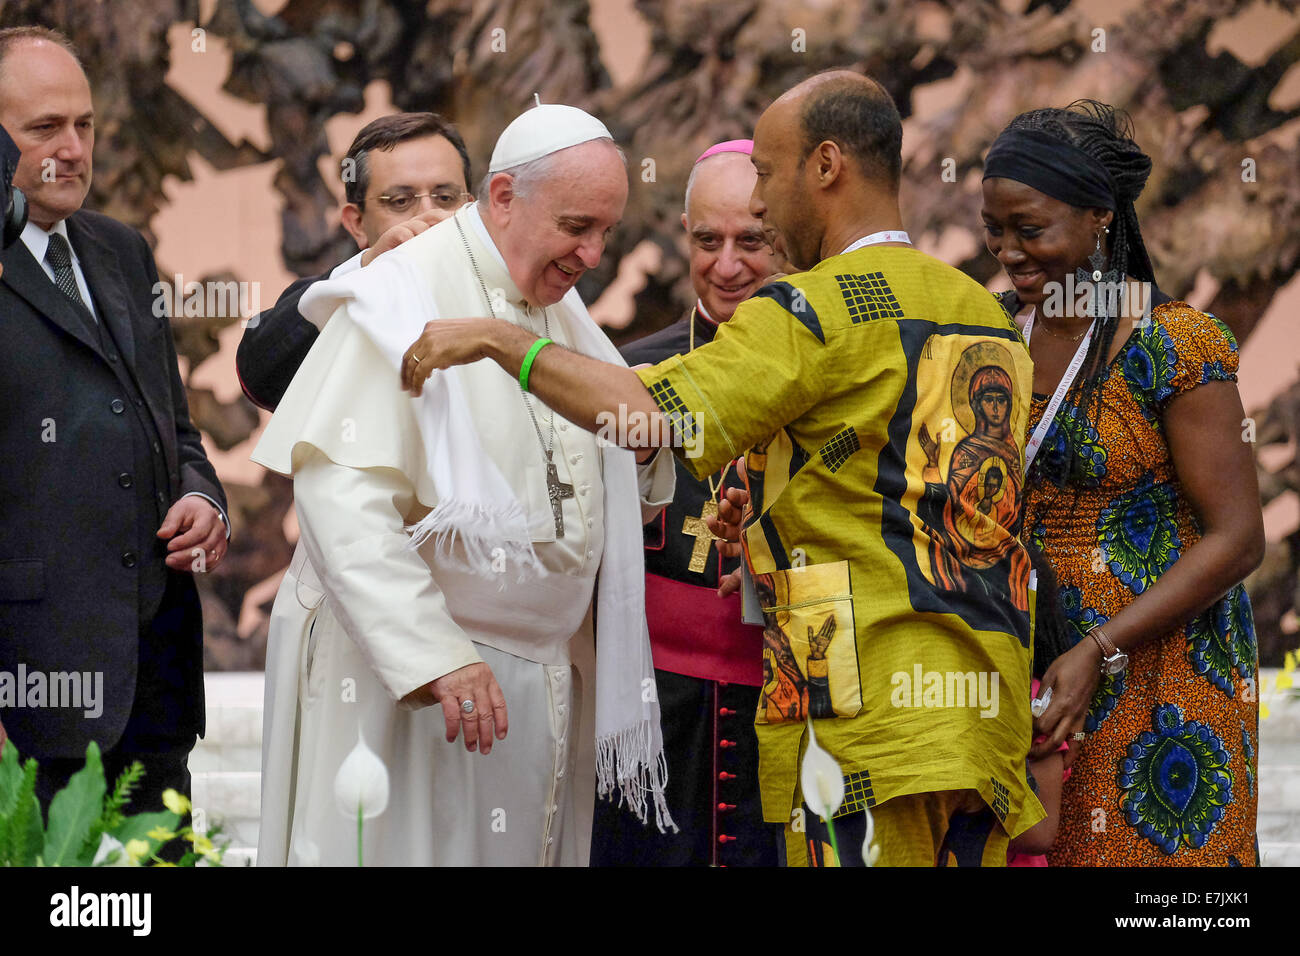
{"points": [[882, 398]]}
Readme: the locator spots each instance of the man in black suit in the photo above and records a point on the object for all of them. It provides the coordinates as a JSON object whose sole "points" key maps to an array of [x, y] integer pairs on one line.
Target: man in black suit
{"points": [[393, 165], [108, 504]]}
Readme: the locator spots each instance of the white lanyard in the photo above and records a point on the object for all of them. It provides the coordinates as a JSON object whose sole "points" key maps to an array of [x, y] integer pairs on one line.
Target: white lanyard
{"points": [[889, 235], [1036, 439]]}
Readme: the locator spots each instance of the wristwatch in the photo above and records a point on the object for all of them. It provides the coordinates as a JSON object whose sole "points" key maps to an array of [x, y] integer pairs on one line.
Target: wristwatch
{"points": [[1113, 660]]}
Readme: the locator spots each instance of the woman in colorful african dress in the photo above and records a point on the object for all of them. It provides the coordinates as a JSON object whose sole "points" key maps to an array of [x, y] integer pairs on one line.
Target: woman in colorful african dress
{"points": [[1143, 495]]}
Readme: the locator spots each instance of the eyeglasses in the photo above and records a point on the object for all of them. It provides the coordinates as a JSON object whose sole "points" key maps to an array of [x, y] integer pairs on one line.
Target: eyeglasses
{"points": [[406, 201]]}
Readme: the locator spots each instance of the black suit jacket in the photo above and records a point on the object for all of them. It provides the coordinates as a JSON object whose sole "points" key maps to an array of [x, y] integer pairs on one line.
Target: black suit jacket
{"points": [[273, 346], [69, 598]]}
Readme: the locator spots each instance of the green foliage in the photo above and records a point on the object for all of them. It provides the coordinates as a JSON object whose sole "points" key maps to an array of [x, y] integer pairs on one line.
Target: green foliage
{"points": [[115, 803], [73, 811], [21, 836], [82, 814]]}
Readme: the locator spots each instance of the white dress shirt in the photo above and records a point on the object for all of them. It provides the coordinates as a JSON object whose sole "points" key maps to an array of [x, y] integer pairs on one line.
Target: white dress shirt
{"points": [[37, 241]]}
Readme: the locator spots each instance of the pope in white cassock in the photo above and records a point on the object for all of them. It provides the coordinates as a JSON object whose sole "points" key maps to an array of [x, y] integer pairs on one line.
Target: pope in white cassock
{"points": [[454, 547]]}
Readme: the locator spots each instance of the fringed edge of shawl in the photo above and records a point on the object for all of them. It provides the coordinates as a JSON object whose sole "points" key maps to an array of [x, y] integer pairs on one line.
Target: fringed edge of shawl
{"points": [[624, 759], [481, 531]]}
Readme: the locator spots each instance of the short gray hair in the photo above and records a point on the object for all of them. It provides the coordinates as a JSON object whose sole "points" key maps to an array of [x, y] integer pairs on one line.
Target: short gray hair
{"points": [[527, 176], [12, 36], [690, 184]]}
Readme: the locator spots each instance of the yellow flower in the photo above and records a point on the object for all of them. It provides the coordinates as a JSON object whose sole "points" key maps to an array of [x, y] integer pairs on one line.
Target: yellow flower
{"points": [[176, 802], [161, 834], [164, 863], [202, 844], [137, 850]]}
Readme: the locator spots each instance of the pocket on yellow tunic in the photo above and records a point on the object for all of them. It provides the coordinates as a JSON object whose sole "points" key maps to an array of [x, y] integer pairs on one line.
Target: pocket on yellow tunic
{"points": [[810, 650]]}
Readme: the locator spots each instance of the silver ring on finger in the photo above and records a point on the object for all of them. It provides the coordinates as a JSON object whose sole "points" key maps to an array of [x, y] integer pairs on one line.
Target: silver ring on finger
{"points": [[467, 707]]}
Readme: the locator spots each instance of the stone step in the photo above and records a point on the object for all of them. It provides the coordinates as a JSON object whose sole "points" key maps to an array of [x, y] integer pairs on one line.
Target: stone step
{"points": [[234, 708], [237, 725], [216, 758], [240, 856], [1272, 826], [235, 794], [232, 798], [1283, 719], [1279, 789], [1279, 854]]}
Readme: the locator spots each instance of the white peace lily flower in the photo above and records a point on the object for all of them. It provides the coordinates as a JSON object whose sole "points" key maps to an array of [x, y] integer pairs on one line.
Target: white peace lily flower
{"points": [[870, 854], [111, 852], [821, 779], [362, 782]]}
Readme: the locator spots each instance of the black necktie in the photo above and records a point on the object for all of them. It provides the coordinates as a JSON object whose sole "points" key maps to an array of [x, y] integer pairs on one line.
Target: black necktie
{"points": [[59, 255]]}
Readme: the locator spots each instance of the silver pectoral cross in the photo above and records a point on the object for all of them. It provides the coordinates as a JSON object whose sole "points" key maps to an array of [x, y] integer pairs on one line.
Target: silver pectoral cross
{"points": [[557, 491]]}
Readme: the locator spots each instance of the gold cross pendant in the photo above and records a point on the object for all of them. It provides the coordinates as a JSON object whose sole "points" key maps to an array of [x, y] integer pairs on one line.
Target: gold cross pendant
{"points": [[697, 529]]}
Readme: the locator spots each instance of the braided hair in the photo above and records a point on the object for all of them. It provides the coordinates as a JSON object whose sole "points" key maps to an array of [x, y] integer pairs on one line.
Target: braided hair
{"points": [[1106, 134], [1053, 634]]}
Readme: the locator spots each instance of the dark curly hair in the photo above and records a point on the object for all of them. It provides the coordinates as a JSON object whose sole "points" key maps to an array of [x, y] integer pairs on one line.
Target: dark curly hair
{"points": [[1053, 634]]}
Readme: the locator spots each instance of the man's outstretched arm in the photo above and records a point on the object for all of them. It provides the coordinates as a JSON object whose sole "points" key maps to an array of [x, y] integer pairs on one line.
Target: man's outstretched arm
{"points": [[584, 390]]}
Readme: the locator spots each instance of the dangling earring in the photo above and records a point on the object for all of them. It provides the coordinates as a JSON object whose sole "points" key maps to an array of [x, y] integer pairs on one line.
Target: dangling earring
{"points": [[1098, 277], [1097, 260]]}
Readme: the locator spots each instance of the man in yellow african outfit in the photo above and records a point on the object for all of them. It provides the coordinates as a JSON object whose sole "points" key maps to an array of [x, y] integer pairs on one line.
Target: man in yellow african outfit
{"points": [[882, 397]]}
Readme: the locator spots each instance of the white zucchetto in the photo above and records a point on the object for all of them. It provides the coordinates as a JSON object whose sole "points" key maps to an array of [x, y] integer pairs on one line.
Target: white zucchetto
{"points": [[543, 130]]}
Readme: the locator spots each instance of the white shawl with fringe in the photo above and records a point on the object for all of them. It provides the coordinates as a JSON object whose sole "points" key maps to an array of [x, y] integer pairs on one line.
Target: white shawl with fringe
{"points": [[475, 515]]}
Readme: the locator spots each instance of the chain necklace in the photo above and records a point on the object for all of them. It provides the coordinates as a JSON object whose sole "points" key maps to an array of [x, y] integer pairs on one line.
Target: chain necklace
{"points": [[1058, 335], [713, 489], [556, 490], [698, 528]]}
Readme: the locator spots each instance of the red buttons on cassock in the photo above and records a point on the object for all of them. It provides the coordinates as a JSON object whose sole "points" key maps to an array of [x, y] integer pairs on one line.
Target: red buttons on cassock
{"points": [[726, 743], [726, 838], [725, 712], [724, 807], [726, 776]]}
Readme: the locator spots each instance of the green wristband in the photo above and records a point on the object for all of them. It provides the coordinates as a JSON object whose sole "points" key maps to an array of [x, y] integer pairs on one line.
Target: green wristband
{"points": [[527, 367]]}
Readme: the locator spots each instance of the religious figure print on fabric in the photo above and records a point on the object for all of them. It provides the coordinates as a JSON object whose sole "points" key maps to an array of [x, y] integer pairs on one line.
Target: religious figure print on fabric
{"points": [[970, 463], [810, 656], [769, 466]]}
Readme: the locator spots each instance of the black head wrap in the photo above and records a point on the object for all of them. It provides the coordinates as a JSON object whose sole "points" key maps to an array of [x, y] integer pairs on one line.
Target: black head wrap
{"points": [[1063, 171], [1052, 166]]}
